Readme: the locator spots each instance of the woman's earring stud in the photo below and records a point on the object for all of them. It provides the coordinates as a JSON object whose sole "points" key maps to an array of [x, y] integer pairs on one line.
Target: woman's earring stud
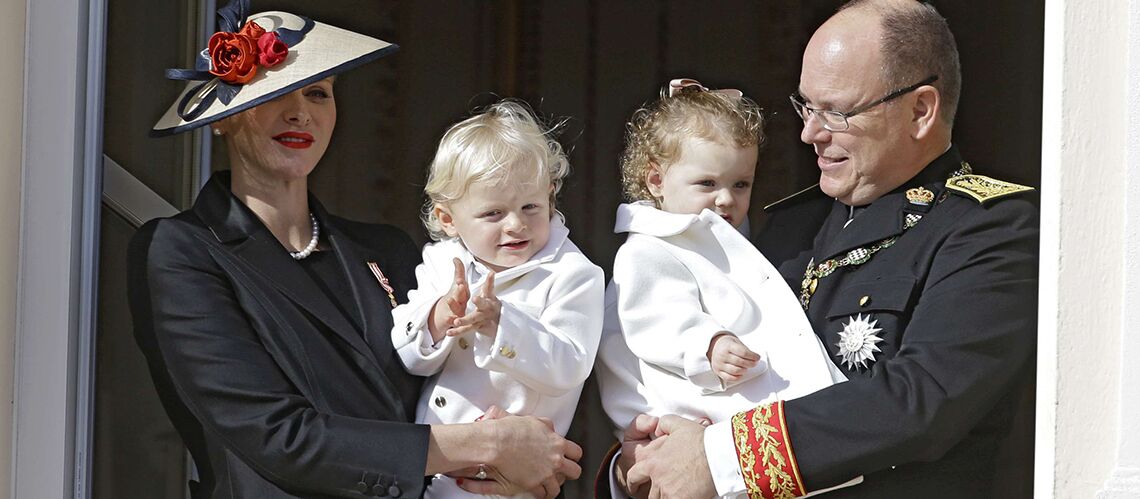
{"points": [[217, 132]]}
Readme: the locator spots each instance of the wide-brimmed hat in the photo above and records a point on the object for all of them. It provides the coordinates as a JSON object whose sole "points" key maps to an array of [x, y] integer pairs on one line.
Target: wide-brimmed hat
{"points": [[257, 58]]}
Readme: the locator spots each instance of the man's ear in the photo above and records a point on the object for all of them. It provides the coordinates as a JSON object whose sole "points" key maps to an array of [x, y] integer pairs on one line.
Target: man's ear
{"points": [[926, 112], [446, 221], [654, 180]]}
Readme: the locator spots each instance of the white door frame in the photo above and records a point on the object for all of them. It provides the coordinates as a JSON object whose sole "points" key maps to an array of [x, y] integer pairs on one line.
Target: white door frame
{"points": [[55, 310]]}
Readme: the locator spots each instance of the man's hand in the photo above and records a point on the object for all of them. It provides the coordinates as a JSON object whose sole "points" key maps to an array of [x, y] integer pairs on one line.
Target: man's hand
{"points": [[454, 304], [730, 358], [485, 318], [674, 464], [636, 436]]}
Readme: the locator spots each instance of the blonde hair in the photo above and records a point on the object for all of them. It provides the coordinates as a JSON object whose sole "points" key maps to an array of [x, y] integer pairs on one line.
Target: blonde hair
{"points": [[503, 137], [654, 134]]}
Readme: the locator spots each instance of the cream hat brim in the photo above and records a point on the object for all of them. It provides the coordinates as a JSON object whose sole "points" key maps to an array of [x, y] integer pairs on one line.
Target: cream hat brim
{"points": [[325, 51]]}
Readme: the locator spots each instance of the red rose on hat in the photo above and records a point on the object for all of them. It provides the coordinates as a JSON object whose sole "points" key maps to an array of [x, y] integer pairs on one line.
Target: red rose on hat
{"points": [[271, 50], [233, 57], [252, 30]]}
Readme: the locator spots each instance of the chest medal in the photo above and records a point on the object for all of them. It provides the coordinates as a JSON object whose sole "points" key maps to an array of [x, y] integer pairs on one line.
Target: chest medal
{"points": [[857, 341]]}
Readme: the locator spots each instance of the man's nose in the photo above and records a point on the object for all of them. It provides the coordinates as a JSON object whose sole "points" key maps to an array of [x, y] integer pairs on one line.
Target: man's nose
{"points": [[813, 131]]}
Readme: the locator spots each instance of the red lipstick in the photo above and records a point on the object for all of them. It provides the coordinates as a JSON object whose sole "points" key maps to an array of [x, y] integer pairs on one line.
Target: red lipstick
{"points": [[295, 140]]}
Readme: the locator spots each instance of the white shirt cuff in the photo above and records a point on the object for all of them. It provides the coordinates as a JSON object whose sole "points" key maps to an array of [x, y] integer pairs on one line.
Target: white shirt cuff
{"points": [[615, 490], [720, 451]]}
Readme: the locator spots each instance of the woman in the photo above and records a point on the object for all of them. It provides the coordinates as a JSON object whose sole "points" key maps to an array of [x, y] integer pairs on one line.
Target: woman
{"points": [[265, 320]]}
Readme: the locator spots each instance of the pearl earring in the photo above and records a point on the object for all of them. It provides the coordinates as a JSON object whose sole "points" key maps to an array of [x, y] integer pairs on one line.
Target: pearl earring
{"points": [[217, 132]]}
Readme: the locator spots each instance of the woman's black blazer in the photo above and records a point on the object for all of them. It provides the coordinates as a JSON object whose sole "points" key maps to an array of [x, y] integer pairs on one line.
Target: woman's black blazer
{"points": [[276, 391]]}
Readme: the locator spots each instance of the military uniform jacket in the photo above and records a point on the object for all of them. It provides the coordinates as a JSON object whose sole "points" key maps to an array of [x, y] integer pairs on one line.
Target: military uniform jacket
{"points": [[943, 406], [277, 391]]}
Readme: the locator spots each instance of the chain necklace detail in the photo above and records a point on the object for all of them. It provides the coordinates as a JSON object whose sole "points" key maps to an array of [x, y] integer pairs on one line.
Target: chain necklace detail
{"points": [[859, 256], [308, 250]]}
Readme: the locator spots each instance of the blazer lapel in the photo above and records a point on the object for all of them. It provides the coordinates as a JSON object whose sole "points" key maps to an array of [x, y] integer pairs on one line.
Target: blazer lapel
{"points": [[372, 306], [230, 220], [372, 302]]}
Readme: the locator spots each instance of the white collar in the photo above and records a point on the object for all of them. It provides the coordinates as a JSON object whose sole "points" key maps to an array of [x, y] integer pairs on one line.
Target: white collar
{"points": [[642, 217]]}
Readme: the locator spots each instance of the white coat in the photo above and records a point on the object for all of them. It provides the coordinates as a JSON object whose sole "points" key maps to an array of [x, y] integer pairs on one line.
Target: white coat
{"points": [[540, 357], [678, 281]]}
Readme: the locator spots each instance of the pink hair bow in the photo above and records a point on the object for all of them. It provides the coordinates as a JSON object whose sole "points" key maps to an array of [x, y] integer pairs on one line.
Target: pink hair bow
{"points": [[686, 85]]}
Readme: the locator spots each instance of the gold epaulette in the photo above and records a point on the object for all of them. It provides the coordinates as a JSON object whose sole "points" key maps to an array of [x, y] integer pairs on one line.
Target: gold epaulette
{"points": [[982, 188]]}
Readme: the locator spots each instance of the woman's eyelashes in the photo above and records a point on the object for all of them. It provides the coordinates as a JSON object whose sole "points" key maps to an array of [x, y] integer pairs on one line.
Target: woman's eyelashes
{"points": [[318, 93]]}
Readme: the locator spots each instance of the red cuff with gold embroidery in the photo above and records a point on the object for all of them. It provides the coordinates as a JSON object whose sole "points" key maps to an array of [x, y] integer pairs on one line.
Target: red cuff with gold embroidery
{"points": [[765, 453]]}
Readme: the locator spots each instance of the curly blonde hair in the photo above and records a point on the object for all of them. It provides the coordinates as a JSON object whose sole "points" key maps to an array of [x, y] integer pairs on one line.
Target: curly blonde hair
{"points": [[503, 137], [654, 134]]}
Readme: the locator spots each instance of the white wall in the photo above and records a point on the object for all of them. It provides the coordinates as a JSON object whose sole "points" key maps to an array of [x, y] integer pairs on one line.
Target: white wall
{"points": [[1083, 164], [1125, 479], [11, 152]]}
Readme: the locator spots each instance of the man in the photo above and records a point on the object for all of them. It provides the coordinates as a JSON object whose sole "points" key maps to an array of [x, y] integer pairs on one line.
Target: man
{"points": [[921, 283]]}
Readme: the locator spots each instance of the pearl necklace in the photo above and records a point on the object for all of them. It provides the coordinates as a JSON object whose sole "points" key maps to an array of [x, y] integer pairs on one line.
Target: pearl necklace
{"points": [[308, 250]]}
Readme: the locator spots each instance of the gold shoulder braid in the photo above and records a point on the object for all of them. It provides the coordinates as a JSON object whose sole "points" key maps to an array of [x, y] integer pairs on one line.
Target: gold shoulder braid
{"points": [[982, 188]]}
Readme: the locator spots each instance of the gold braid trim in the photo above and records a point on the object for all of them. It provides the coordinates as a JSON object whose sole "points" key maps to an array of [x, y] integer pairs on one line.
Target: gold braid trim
{"points": [[744, 453], [982, 188], [766, 461]]}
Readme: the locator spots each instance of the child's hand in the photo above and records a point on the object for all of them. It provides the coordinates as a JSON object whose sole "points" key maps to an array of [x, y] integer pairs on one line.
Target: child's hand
{"points": [[730, 358], [455, 300], [485, 319]]}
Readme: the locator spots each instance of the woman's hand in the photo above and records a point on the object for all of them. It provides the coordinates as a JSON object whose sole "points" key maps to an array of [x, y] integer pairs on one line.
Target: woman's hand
{"points": [[455, 301], [485, 318], [530, 456], [463, 476]]}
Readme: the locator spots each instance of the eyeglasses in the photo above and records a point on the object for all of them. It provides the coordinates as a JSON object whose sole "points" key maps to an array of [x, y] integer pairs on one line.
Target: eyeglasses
{"points": [[836, 121]]}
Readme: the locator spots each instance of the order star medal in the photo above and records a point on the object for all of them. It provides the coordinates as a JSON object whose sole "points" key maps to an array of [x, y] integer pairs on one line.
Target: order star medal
{"points": [[857, 341]]}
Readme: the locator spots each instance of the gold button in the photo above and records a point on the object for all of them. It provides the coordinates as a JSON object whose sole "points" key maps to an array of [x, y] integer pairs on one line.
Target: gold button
{"points": [[440, 401], [463, 343], [864, 301], [505, 352], [511, 355]]}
